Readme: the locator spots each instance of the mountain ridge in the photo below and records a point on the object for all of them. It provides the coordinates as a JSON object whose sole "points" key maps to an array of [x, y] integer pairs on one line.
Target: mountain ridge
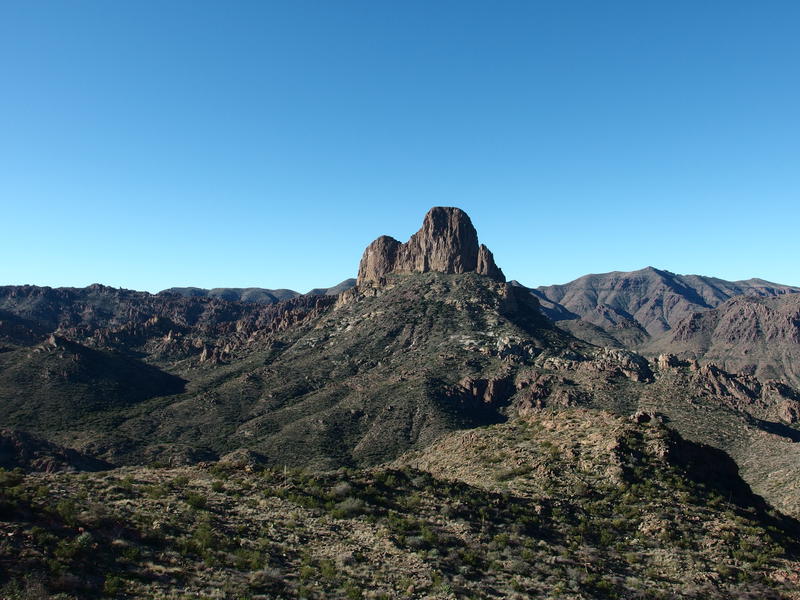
{"points": [[257, 294], [755, 335], [655, 299]]}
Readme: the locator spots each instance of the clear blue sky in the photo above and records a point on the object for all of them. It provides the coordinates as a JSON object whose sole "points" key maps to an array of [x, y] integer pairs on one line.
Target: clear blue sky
{"points": [[153, 144]]}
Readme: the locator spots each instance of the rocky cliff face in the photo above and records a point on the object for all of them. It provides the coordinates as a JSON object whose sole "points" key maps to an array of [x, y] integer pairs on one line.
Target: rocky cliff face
{"points": [[757, 336], [446, 243]]}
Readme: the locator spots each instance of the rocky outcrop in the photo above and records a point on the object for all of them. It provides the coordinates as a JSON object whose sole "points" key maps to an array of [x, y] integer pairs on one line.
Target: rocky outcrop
{"points": [[758, 336], [668, 361], [490, 390], [536, 391], [446, 243]]}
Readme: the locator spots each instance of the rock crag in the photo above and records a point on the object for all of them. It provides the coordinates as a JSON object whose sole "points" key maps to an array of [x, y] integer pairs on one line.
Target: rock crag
{"points": [[446, 243]]}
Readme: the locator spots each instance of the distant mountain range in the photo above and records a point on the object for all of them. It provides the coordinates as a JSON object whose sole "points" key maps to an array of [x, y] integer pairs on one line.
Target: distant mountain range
{"points": [[256, 295], [749, 326], [654, 299]]}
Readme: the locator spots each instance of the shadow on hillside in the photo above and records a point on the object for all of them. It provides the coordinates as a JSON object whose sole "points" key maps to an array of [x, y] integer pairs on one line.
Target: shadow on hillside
{"points": [[717, 471], [779, 429]]}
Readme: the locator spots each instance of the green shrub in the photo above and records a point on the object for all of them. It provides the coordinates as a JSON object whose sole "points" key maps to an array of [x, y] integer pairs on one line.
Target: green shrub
{"points": [[68, 511], [196, 501], [10, 478], [113, 585]]}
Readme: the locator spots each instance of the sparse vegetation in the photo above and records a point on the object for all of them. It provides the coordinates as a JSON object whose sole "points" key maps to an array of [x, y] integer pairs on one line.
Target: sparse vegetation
{"points": [[575, 523]]}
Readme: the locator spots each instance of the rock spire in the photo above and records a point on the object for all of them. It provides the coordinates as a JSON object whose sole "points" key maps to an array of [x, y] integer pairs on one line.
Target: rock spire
{"points": [[447, 243]]}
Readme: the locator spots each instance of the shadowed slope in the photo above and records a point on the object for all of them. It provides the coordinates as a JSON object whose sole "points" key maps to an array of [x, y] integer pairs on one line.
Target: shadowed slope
{"points": [[57, 385]]}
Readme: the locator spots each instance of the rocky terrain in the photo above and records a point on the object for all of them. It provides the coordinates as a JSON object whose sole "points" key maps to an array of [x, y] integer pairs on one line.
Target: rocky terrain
{"points": [[755, 335], [566, 504], [446, 243], [432, 373], [749, 326]]}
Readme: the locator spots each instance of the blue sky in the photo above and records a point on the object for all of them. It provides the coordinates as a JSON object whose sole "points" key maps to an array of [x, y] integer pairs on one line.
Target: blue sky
{"points": [[155, 144]]}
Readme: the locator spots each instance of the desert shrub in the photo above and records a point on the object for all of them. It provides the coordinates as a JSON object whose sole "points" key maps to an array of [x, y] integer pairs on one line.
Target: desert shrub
{"points": [[267, 579], [506, 474], [156, 491], [126, 483], [328, 570], [84, 541], [31, 587], [196, 500], [42, 537], [341, 489], [66, 550], [349, 507], [10, 478], [113, 585], [353, 592], [180, 481], [68, 511]]}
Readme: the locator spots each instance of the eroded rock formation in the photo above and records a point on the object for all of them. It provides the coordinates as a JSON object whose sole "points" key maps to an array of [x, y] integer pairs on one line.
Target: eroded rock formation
{"points": [[447, 243]]}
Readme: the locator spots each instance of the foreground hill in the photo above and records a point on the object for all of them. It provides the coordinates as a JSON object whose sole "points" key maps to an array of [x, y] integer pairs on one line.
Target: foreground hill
{"points": [[571, 504]]}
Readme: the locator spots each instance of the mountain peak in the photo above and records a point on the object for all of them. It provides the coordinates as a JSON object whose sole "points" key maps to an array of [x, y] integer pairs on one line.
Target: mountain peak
{"points": [[447, 242]]}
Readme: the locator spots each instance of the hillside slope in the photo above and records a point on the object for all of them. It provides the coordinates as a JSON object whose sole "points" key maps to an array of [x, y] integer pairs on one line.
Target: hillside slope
{"points": [[572, 504], [754, 335], [654, 299]]}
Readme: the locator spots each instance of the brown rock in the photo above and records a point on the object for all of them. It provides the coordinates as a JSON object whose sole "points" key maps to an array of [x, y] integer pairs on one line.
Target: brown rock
{"points": [[446, 243], [379, 258], [494, 390], [486, 264], [667, 361]]}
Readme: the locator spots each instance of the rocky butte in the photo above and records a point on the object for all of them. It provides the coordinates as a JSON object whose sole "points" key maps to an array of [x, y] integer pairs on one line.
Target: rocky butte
{"points": [[446, 243]]}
